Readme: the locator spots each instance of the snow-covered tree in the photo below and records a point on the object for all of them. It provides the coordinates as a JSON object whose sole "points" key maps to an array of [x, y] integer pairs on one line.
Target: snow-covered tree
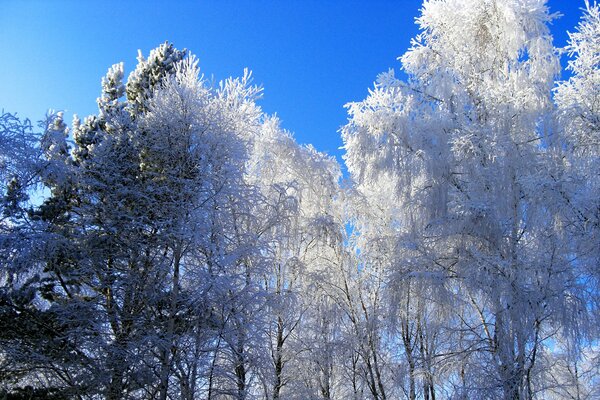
{"points": [[461, 149], [301, 233], [137, 217], [19, 161], [578, 184], [578, 101]]}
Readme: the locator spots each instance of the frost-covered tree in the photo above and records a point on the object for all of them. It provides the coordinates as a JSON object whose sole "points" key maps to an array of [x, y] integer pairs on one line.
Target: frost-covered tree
{"points": [[578, 101], [577, 98], [140, 215], [19, 161], [41, 344], [578, 183], [461, 149], [302, 233]]}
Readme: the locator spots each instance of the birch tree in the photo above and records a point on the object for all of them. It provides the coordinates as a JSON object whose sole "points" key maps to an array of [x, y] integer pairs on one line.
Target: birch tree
{"points": [[459, 149], [300, 230]]}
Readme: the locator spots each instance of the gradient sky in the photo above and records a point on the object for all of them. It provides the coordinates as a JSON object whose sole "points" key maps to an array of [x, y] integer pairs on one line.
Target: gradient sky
{"points": [[311, 57]]}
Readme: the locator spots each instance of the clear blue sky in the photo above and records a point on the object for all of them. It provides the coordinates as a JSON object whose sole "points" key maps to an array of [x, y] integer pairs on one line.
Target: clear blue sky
{"points": [[311, 57]]}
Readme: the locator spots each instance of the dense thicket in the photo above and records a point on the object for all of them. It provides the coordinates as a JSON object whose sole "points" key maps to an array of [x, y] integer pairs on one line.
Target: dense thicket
{"points": [[180, 244]]}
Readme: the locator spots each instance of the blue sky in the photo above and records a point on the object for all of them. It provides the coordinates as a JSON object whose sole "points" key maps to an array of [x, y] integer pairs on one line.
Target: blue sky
{"points": [[311, 57]]}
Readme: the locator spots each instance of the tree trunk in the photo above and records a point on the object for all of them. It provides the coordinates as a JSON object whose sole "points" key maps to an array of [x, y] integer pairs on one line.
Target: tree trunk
{"points": [[116, 386], [169, 347], [240, 368], [213, 365], [278, 360]]}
